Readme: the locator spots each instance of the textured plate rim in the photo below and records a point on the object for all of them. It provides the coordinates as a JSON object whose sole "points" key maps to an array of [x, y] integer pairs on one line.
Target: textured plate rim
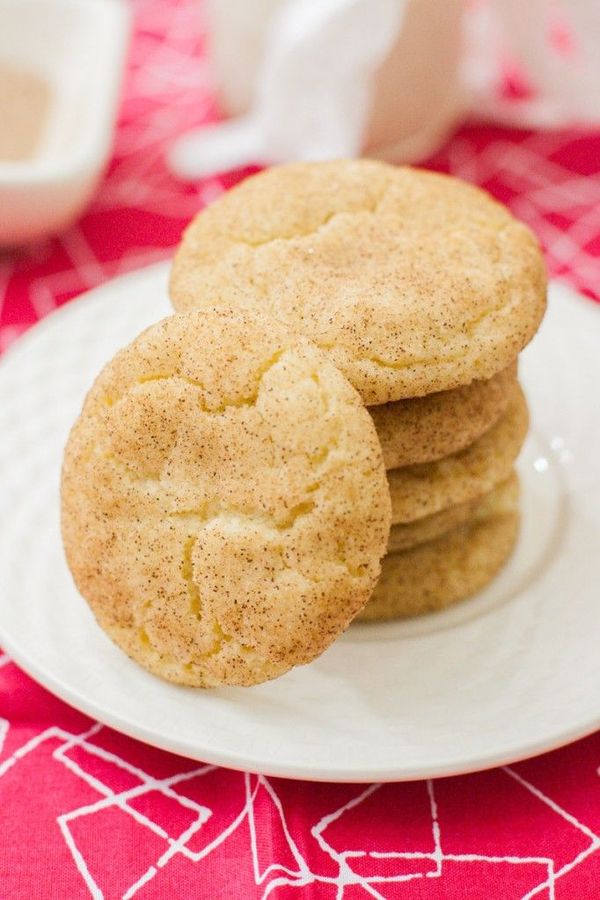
{"points": [[239, 762]]}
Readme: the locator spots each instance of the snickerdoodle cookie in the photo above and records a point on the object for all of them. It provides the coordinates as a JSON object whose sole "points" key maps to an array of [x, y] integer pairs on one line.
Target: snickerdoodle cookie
{"points": [[224, 500], [410, 534], [450, 568], [426, 428], [414, 282], [428, 488]]}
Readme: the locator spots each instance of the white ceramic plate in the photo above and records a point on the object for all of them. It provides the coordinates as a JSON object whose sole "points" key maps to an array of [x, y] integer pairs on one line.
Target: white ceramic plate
{"points": [[511, 673]]}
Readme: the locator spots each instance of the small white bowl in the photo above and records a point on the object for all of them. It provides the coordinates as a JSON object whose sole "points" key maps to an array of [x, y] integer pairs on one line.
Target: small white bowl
{"points": [[78, 47]]}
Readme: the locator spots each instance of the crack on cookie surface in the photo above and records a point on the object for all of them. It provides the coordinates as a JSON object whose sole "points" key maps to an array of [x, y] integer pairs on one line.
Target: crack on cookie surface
{"points": [[299, 234], [187, 573], [467, 333], [250, 400], [140, 478]]}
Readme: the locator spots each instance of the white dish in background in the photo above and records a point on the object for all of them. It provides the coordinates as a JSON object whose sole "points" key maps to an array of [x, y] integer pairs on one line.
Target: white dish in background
{"points": [[511, 673], [78, 47]]}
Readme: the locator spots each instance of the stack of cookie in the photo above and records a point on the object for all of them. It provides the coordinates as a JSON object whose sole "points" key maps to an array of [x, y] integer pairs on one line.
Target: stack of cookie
{"points": [[454, 493], [340, 383], [423, 291]]}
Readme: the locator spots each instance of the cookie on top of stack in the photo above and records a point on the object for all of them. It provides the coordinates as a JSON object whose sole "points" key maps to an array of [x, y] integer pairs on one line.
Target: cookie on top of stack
{"points": [[423, 291]]}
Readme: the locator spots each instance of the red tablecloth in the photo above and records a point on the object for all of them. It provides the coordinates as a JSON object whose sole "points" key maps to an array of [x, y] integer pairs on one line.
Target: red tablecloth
{"points": [[85, 811]]}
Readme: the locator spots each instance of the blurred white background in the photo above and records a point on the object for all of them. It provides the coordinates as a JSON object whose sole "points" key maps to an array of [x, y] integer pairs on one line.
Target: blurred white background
{"points": [[310, 79]]}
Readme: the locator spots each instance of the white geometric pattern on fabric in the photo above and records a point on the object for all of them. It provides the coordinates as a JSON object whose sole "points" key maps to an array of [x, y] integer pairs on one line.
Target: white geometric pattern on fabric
{"points": [[302, 874]]}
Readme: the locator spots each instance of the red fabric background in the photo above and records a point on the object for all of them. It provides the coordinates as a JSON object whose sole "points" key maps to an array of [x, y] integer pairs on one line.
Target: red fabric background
{"points": [[85, 811]]}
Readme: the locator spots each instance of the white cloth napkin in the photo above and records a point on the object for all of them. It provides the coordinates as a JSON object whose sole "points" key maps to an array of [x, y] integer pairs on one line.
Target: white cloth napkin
{"points": [[312, 93]]}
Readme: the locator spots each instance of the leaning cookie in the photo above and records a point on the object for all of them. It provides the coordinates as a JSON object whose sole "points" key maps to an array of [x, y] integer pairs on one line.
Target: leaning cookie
{"points": [[428, 488], [411, 534], [424, 429], [414, 282], [224, 500], [444, 571]]}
